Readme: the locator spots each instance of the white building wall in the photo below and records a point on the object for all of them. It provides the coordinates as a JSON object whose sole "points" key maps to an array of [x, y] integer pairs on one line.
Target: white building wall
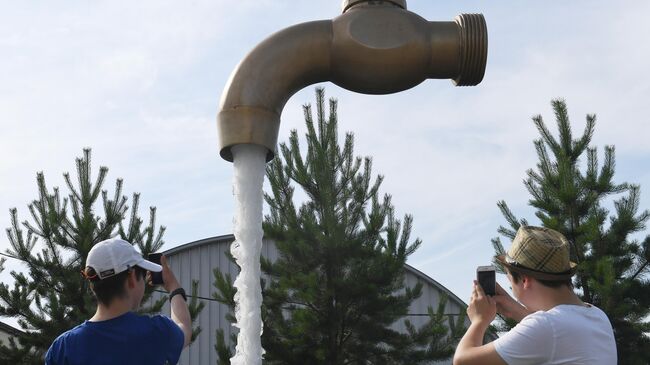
{"points": [[4, 338], [7, 331]]}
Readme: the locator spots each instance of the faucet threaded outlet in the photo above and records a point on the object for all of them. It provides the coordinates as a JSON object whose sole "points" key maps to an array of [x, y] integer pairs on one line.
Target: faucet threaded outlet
{"points": [[473, 48]]}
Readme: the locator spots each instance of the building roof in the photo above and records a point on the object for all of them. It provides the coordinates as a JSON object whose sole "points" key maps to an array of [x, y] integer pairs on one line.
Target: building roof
{"points": [[9, 329], [227, 238]]}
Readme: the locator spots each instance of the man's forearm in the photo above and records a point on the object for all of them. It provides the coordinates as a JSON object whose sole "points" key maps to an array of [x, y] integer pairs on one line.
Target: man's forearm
{"points": [[473, 338], [180, 314], [521, 313]]}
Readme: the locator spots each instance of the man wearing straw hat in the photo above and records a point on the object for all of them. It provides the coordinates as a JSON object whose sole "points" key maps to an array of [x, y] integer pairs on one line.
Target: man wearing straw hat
{"points": [[555, 326], [116, 334]]}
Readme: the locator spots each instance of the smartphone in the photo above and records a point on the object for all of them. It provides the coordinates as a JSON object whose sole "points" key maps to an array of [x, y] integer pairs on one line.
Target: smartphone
{"points": [[486, 278], [156, 277]]}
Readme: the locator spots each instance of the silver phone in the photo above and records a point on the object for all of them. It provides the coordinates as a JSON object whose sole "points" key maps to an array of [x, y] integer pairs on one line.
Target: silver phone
{"points": [[486, 278]]}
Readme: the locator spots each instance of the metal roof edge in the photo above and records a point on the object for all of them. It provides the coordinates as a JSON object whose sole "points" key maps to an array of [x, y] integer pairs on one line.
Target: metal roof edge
{"points": [[433, 282], [201, 242], [9, 329]]}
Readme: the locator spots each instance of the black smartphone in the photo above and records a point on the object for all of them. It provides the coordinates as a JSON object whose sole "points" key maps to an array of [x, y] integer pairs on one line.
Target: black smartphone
{"points": [[486, 278], [156, 277]]}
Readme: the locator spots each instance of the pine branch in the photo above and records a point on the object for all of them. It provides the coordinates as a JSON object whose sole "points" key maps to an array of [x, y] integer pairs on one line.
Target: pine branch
{"points": [[195, 307], [546, 135], [580, 145], [511, 219], [564, 127]]}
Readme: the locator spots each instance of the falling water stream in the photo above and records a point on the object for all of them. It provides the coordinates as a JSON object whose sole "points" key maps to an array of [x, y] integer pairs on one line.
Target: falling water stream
{"points": [[249, 163]]}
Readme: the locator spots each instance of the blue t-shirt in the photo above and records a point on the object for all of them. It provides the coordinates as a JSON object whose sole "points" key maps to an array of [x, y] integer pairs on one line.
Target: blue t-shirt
{"points": [[129, 339]]}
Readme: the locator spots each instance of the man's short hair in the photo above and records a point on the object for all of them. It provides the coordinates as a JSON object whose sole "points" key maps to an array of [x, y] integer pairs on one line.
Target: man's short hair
{"points": [[548, 283], [111, 288]]}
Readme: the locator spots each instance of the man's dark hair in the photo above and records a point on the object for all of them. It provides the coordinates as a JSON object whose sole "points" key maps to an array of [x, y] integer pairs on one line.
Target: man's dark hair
{"points": [[108, 289], [549, 283]]}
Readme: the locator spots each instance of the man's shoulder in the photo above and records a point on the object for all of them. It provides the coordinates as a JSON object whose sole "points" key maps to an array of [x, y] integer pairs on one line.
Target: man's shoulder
{"points": [[134, 318], [129, 320], [568, 311], [159, 323], [532, 338], [73, 332], [535, 325], [155, 319], [58, 347], [536, 318]]}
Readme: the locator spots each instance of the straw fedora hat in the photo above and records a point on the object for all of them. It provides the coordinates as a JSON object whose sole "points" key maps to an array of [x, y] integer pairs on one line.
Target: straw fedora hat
{"points": [[539, 252]]}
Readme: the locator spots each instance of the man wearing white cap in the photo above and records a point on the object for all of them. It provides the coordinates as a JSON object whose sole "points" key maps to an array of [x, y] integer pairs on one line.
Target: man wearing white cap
{"points": [[555, 326], [116, 334]]}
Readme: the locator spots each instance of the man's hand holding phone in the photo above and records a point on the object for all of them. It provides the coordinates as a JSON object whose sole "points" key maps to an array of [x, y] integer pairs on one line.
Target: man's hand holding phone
{"points": [[482, 308], [169, 279], [166, 277], [155, 278], [485, 275]]}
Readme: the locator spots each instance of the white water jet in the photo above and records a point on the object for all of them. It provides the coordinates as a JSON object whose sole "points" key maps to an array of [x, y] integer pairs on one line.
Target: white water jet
{"points": [[249, 163]]}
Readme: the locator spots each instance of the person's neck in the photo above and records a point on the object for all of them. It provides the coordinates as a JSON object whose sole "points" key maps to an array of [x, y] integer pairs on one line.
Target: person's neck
{"points": [[114, 310], [549, 298]]}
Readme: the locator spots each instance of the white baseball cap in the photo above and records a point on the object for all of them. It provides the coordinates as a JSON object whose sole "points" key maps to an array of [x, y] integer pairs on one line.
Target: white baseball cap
{"points": [[113, 256]]}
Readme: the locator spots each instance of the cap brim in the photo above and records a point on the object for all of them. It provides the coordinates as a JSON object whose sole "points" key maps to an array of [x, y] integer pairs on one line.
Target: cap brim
{"points": [[149, 266], [537, 274]]}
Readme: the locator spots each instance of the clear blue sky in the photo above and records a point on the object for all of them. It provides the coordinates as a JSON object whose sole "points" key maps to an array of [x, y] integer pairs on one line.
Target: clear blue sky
{"points": [[139, 82]]}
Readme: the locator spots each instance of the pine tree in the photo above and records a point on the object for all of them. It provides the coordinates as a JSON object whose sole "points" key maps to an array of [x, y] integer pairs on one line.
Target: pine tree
{"points": [[52, 297], [338, 283], [613, 270]]}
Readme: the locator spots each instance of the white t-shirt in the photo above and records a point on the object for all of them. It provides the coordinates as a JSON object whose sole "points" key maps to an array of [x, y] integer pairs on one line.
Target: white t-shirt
{"points": [[566, 334]]}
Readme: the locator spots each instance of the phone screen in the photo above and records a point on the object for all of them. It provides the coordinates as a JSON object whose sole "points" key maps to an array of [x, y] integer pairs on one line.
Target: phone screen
{"points": [[156, 277], [486, 278]]}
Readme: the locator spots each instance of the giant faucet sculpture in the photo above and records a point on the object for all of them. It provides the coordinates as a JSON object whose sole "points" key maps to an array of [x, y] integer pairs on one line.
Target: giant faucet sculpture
{"points": [[374, 47]]}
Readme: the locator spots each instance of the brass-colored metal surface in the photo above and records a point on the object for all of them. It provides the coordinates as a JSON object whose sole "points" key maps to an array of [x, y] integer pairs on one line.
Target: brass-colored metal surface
{"points": [[262, 83], [374, 47], [347, 4]]}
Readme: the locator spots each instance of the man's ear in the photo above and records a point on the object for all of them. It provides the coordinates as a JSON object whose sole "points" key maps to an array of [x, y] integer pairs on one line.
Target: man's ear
{"points": [[527, 281], [131, 279]]}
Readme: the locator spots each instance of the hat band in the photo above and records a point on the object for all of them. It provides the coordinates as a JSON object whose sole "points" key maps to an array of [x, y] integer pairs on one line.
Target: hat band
{"points": [[543, 275]]}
